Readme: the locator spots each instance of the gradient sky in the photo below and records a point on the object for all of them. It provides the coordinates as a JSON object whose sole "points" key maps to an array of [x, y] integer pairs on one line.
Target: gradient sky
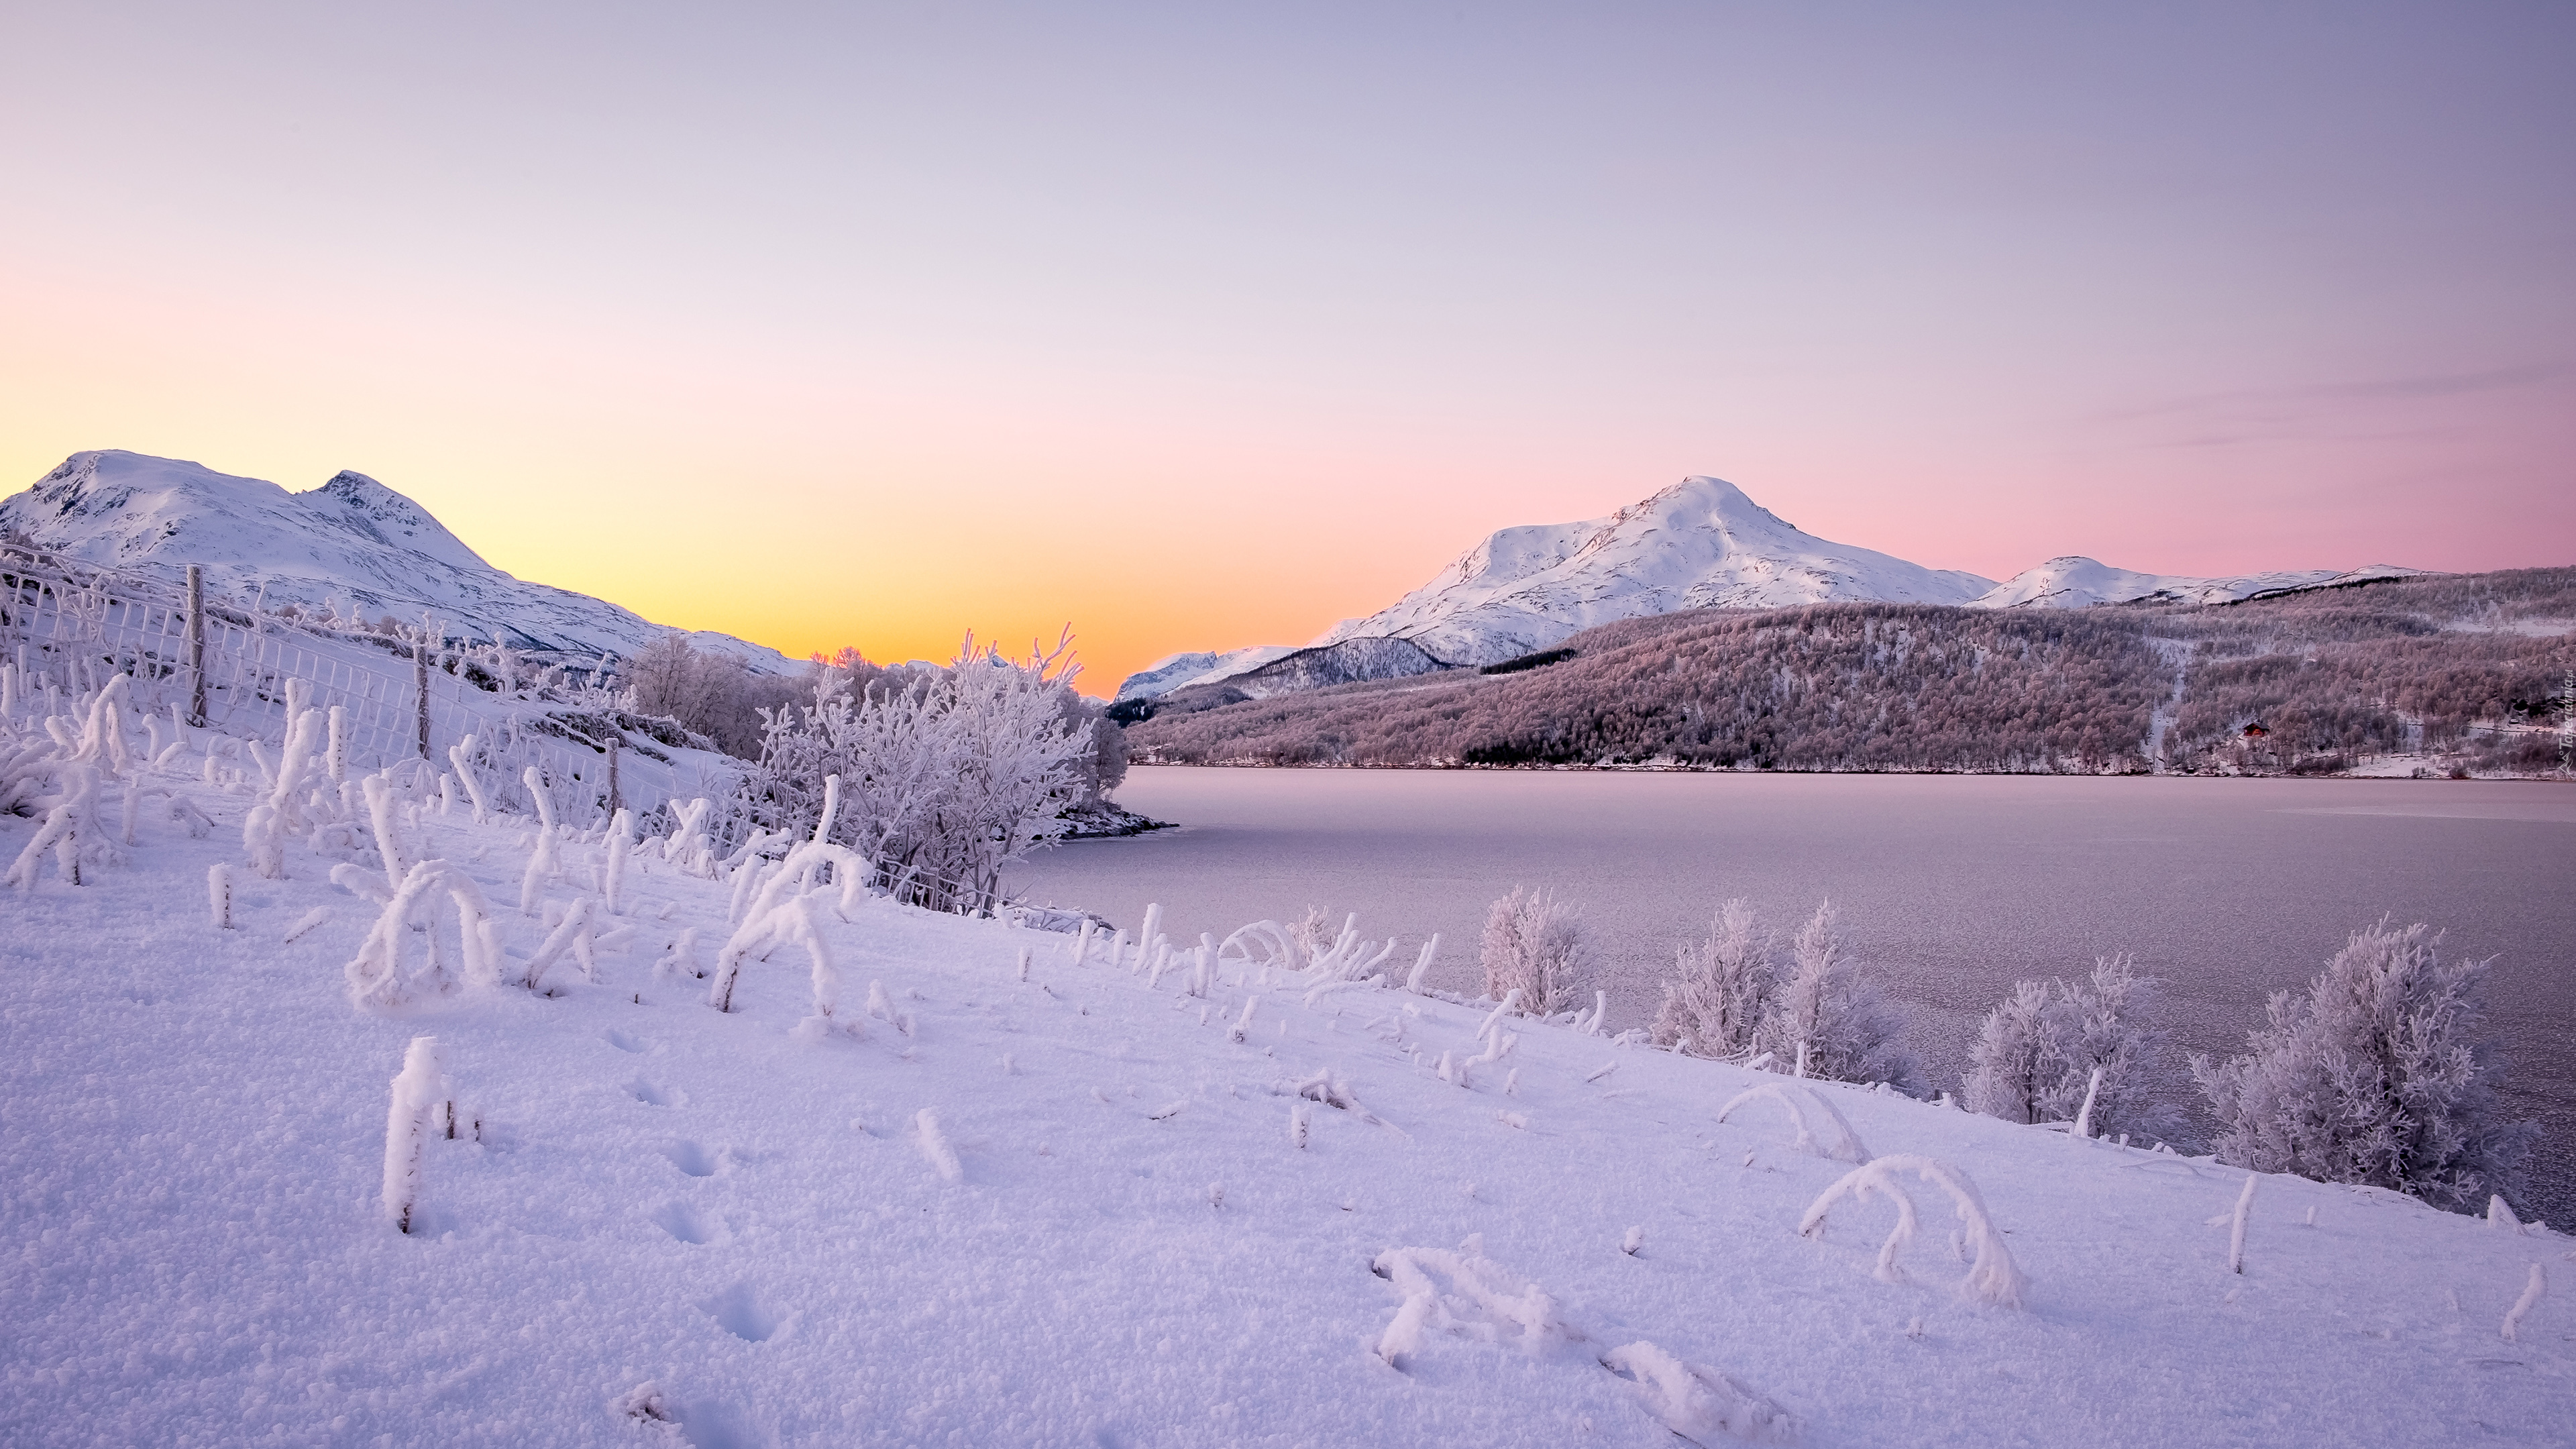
{"points": [[1209, 324]]}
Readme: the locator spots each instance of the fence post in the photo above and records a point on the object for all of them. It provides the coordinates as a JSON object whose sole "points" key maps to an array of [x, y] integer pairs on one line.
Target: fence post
{"points": [[614, 804], [420, 690], [196, 647]]}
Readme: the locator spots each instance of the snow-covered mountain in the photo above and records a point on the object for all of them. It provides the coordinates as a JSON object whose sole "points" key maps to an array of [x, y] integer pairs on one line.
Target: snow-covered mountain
{"points": [[1700, 544], [351, 544], [1198, 666], [2076, 582]]}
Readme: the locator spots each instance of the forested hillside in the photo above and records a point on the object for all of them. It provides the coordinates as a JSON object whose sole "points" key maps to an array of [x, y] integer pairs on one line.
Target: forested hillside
{"points": [[2463, 672]]}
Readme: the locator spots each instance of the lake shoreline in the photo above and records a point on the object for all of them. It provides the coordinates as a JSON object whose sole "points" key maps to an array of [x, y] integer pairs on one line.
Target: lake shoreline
{"points": [[1953, 885]]}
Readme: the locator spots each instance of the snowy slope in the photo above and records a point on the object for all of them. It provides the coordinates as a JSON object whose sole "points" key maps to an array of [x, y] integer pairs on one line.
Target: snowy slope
{"points": [[1699, 544], [685, 1226], [351, 542], [1180, 671], [2076, 582]]}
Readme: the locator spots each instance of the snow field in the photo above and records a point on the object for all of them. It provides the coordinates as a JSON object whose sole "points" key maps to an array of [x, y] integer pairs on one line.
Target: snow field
{"points": [[1140, 1198]]}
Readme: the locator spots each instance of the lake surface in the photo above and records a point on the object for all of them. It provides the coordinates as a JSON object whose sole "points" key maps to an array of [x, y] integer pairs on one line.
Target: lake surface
{"points": [[1952, 887]]}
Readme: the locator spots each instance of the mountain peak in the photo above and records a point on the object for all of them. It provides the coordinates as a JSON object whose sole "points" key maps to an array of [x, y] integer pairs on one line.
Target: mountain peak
{"points": [[356, 501], [1700, 543], [351, 544]]}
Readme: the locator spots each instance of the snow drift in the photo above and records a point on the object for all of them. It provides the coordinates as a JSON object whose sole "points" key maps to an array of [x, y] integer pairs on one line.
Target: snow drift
{"points": [[1042, 1193]]}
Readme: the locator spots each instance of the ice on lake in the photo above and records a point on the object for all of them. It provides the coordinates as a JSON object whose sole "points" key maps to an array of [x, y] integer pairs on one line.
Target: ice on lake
{"points": [[1954, 886]]}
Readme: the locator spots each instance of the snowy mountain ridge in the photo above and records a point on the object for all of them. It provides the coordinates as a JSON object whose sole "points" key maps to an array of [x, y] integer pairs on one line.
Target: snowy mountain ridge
{"points": [[1699, 544], [2077, 582], [1198, 666], [351, 542]]}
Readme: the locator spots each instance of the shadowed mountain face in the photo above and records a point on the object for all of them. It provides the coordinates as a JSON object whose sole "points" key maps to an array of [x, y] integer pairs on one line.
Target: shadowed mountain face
{"points": [[352, 545]]}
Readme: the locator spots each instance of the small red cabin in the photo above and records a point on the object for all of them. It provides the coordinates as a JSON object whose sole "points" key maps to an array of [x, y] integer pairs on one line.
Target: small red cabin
{"points": [[2255, 732]]}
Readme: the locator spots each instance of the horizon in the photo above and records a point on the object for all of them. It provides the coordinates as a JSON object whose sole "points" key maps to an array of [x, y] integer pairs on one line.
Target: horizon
{"points": [[1203, 330]]}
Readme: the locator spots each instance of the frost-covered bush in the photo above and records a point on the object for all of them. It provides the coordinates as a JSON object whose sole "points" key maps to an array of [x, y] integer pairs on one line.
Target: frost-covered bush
{"points": [[1534, 945], [1829, 1016], [2018, 1060], [2380, 1073], [2034, 1058], [947, 773], [1720, 989], [711, 693]]}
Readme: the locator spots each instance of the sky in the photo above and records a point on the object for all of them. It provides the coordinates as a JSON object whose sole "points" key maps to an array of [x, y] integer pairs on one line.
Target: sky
{"points": [[1205, 325]]}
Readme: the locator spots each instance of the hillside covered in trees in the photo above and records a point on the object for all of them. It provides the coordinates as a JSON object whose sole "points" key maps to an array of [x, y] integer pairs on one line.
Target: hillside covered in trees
{"points": [[2463, 673]]}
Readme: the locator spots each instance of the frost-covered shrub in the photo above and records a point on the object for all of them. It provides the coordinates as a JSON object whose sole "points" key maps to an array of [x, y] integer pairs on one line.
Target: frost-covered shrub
{"points": [[948, 774], [2018, 1060], [2035, 1056], [1831, 1017], [1534, 945], [2380, 1073], [710, 693], [1720, 989]]}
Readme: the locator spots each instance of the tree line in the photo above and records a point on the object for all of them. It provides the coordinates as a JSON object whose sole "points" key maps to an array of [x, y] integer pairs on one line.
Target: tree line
{"points": [[2381, 1072], [2469, 668]]}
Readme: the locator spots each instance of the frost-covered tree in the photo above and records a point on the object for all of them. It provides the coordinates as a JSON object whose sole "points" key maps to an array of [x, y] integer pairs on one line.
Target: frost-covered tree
{"points": [[709, 693], [1534, 945], [1827, 1009], [1719, 989], [2035, 1055], [947, 774], [2380, 1073], [2018, 1058]]}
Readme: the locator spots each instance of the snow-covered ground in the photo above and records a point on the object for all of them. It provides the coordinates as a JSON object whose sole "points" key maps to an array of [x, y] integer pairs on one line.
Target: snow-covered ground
{"points": [[1073, 1208]]}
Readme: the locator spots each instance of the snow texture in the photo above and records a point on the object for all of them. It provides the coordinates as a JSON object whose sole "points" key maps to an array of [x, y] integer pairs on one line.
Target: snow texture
{"points": [[632, 1217]]}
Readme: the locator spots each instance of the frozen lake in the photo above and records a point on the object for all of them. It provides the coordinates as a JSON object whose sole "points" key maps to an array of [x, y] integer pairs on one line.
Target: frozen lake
{"points": [[1952, 887]]}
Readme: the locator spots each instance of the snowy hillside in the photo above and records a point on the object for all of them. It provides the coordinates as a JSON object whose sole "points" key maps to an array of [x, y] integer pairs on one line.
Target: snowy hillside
{"points": [[2076, 582], [943, 1181], [352, 544], [1700, 544], [1180, 671]]}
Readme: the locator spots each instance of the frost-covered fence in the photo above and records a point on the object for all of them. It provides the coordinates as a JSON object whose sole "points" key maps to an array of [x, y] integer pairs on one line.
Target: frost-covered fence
{"points": [[230, 668]]}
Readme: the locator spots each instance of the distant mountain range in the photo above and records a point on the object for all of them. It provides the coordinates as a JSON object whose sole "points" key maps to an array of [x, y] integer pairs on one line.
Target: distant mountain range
{"points": [[1700, 544], [351, 545], [2458, 674]]}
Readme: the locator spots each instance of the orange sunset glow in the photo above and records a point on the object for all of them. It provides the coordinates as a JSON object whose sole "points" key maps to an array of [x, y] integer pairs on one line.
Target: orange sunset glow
{"points": [[1195, 332]]}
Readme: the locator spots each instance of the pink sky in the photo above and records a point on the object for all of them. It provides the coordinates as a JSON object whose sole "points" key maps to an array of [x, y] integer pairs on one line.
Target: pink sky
{"points": [[1199, 326]]}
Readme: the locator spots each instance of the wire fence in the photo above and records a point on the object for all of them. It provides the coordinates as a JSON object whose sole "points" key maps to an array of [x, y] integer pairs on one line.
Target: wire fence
{"points": [[72, 628]]}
